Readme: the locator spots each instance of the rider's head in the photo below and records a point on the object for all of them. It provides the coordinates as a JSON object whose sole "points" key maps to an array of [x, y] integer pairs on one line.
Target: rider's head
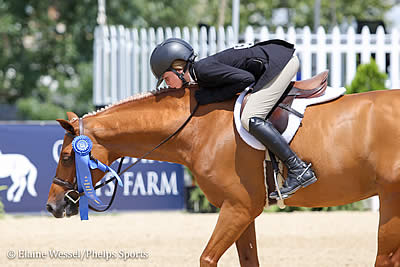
{"points": [[170, 61]]}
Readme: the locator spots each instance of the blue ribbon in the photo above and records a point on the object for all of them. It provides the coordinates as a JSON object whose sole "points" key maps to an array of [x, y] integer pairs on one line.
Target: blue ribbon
{"points": [[82, 146]]}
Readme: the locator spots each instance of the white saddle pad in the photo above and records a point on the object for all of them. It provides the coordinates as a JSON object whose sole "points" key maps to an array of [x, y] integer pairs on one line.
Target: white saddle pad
{"points": [[294, 122]]}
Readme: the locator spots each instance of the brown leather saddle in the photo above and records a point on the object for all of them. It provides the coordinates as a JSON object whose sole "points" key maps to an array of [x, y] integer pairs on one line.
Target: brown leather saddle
{"points": [[313, 87]]}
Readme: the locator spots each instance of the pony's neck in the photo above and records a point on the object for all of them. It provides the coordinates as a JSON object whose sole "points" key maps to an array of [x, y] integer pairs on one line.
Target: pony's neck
{"points": [[136, 126]]}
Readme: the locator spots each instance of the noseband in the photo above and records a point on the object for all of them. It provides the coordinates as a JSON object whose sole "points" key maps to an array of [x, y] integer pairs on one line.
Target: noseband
{"points": [[64, 184], [73, 194], [72, 189]]}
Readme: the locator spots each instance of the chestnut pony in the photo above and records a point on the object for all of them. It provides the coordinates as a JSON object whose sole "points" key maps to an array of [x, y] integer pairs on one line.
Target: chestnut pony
{"points": [[353, 143]]}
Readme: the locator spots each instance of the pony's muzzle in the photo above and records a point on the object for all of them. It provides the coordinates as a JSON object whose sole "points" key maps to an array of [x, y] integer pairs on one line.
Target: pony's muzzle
{"points": [[57, 212]]}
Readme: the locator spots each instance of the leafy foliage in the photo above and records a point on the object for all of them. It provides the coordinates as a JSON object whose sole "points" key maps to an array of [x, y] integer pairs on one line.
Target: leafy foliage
{"points": [[46, 56], [197, 195], [46, 51], [301, 13], [367, 78], [199, 201]]}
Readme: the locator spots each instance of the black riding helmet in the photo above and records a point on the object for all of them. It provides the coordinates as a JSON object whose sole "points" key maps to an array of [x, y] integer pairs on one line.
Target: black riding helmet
{"points": [[166, 53]]}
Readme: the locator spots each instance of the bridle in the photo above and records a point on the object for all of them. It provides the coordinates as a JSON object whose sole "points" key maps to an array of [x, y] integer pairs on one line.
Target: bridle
{"points": [[73, 195]]}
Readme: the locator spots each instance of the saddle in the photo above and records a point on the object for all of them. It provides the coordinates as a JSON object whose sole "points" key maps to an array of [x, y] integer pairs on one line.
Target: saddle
{"points": [[311, 88]]}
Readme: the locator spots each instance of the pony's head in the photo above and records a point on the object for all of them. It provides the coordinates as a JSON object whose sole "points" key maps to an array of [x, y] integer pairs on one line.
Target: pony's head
{"points": [[63, 195]]}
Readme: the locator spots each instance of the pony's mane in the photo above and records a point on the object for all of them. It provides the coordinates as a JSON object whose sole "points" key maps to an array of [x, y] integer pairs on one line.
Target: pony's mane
{"points": [[133, 98]]}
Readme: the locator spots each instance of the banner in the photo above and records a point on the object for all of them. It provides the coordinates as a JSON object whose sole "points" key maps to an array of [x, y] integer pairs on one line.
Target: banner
{"points": [[29, 155]]}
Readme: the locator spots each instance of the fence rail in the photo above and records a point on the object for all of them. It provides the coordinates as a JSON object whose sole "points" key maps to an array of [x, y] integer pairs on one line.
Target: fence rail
{"points": [[121, 55]]}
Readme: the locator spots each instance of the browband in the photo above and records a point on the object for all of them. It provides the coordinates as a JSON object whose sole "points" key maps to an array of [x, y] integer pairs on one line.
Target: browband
{"points": [[81, 131]]}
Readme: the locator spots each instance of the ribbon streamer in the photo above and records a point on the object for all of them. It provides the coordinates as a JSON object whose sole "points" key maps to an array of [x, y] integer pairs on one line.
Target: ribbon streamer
{"points": [[82, 145]]}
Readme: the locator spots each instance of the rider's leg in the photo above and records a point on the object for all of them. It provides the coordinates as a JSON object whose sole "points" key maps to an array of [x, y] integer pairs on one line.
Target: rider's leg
{"points": [[260, 103], [256, 110], [299, 173]]}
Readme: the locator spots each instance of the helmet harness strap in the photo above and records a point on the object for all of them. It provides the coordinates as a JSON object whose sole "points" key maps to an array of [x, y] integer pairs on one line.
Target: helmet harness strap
{"points": [[181, 76]]}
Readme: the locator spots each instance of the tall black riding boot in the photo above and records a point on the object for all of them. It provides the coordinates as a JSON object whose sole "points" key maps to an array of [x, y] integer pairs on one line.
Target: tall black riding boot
{"points": [[299, 173]]}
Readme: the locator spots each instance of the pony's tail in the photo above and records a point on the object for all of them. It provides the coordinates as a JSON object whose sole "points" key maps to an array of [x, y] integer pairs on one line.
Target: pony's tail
{"points": [[32, 180]]}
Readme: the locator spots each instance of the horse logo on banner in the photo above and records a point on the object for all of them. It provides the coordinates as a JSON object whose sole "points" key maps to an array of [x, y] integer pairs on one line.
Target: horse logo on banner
{"points": [[23, 175]]}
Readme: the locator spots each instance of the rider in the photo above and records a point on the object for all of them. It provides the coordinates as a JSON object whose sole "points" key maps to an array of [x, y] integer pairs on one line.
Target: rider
{"points": [[267, 67]]}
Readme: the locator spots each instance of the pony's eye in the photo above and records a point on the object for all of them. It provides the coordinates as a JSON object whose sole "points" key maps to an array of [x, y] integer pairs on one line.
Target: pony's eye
{"points": [[66, 159]]}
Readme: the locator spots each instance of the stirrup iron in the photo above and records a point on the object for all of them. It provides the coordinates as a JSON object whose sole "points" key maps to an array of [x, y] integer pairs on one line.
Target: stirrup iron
{"points": [[276, 172], [277, 185]]}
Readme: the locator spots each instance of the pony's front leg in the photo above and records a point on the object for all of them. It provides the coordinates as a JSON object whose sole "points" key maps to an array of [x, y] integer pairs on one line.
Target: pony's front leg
{"points": [[246, 247], [234, 218]]}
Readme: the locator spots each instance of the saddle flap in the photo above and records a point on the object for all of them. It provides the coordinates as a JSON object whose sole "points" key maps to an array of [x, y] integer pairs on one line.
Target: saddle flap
{"points": [[311, 88], [278, 116]]}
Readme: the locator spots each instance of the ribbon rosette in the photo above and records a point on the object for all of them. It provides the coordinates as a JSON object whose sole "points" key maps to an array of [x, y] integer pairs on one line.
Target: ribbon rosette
{"points": [[82, 145]]}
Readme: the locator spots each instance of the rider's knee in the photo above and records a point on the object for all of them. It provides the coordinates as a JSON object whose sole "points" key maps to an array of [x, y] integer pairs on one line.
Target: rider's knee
{"points": [[245, 119]]}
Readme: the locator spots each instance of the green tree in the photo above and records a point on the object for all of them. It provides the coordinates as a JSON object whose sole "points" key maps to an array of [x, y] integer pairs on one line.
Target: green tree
{"points": [[46, 49], [301, 13], [367, 78], [334, 12]]}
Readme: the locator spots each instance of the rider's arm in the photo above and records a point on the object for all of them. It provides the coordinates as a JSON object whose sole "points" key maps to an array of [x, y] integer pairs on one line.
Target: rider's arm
{"points": [[219, 82]]}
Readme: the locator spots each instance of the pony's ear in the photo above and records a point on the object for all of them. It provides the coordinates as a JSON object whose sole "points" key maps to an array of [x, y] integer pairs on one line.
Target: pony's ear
{"points": [[72, 116], [66, 125]]}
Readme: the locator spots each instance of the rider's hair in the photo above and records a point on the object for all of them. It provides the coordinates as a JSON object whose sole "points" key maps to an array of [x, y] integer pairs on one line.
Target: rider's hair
{"points": [[178, 64]]}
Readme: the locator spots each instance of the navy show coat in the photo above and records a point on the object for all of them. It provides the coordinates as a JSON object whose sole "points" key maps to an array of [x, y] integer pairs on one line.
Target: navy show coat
{"points": [[224, 74]]}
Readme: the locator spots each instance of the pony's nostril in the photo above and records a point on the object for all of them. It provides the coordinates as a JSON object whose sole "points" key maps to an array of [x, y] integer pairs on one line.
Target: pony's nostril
{"points": [[49, 208], [53, 209]]}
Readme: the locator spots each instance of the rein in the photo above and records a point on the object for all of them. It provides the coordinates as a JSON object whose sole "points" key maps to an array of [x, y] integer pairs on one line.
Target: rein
{"points": [[72, 188], [164, 141]]}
